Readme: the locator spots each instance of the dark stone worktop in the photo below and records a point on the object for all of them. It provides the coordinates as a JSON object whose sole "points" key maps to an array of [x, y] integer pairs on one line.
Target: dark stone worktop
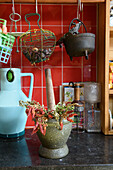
{"points": [[87, 151]]}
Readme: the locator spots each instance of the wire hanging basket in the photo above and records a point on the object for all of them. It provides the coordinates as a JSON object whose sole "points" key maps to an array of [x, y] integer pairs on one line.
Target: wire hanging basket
{"points": [[38, 44], [6, 44]]}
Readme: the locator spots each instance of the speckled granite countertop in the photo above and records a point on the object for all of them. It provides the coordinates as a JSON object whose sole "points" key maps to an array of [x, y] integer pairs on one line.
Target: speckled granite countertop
{"points": [[87, 151]]}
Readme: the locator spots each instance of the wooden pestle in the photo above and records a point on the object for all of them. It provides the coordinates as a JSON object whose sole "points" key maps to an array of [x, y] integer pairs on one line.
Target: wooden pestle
{"points": [[49, 90]]}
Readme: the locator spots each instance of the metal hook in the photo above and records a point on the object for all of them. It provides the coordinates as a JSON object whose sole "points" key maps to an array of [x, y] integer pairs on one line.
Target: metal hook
{"points": [[78, 7], [11, 16], [13, 8], [36, 7], [82, 7]]}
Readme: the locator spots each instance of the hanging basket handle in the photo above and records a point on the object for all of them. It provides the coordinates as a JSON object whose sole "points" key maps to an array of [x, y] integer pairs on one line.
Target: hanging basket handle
{"points": [[3, 21], [74, 23], [29, 15]]}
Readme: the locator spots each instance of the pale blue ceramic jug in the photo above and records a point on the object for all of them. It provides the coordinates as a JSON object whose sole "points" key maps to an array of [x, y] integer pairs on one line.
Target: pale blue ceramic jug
{"points": [[12, 116]]}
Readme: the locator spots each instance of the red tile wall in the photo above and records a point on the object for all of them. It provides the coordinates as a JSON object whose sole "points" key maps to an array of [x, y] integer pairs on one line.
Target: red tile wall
{"points": [[57, 19]]}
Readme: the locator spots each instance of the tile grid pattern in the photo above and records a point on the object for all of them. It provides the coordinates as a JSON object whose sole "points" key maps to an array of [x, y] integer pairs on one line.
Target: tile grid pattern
{"points": [[54, 17]]}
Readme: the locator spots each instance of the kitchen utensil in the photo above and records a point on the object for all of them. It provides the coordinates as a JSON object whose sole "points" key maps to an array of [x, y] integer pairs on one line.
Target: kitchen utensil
{"points": [[12, 116], [37, 44], [11, 16], [79, 119], [92, 92], [49, 90], [92, 96], [77, 44], [6, 44]]}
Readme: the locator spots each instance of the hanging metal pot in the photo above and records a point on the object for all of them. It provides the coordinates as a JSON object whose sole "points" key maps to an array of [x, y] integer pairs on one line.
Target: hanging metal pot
{"points": [[77, 44]]}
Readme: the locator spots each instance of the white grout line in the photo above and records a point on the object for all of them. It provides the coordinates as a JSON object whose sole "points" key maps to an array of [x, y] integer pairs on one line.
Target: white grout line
{"points": [[20, 20], [42, 62], [62, 33], [52, 26], [38, 67], [20, 31], [39, 87], [82, 71], [96, 39]]}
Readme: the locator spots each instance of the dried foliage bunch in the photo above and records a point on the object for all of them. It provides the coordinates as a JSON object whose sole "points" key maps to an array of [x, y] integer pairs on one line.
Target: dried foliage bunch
{"points": [[40, 115]]}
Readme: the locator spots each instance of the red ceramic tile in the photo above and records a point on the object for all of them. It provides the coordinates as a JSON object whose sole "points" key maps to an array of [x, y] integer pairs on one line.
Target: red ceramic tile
{"points": [[72, 74], [37, 95], [91, 59], [29, 122], [44, 97], [36, 74], [89, 14], [56, 92], [16, 58], [55, 29], [93, 74], [91, 29], [51, 14], [65, 29], [25, 91], [11, 28], [69, 13], [89, 73], [77, 61], [56, 74], [5, 65], [25, 81], [6, 10], [26, 28], [55, 59], [27, 9]]}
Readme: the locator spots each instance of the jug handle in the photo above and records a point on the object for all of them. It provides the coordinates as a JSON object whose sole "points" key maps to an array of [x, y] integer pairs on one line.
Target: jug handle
{"points": [[31, 83]]}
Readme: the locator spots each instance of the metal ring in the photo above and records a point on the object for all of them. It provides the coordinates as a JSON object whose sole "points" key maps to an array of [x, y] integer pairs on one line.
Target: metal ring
{"points": [[10, 16]]}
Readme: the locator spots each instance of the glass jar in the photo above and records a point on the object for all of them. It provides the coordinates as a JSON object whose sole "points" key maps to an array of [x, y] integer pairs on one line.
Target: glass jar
{"points": [[92, 120]]}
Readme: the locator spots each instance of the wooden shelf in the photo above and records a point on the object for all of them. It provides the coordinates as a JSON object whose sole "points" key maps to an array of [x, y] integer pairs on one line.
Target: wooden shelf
{"points": [[111, 91], [110, 54], [111, 28], [52, 1], [110, 132]]}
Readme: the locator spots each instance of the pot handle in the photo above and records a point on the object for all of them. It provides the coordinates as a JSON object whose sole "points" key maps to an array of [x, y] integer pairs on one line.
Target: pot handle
{"points": [[31, 83], [78, 21]]}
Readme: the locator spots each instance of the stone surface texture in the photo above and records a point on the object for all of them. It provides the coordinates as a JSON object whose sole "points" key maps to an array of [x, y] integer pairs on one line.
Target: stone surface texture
{"points": [[92, 151]]}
